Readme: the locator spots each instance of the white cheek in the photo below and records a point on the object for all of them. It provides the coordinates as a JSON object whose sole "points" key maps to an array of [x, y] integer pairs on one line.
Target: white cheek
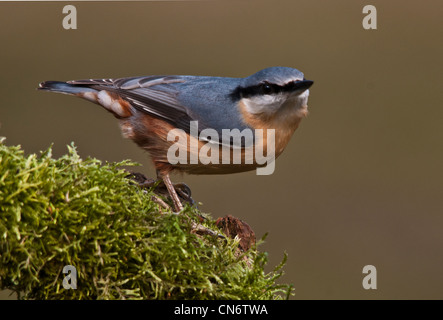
{"points": [[262, 104], [298, 101], [296, 106], [303, 98]]}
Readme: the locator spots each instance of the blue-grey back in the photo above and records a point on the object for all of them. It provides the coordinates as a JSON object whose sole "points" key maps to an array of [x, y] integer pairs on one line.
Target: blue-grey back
{"points": [[209, 100]]}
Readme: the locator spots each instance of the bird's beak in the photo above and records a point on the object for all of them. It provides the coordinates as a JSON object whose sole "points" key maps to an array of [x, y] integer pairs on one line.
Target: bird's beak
{"points": [[303, 85]]}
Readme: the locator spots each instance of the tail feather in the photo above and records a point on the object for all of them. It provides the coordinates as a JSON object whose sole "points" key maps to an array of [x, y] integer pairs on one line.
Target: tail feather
{"points": [[64, 87], [109, 100]]}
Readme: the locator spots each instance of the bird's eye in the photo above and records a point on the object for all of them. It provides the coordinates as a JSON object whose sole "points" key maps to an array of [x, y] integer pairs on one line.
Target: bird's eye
{"points": [[266, 88]]}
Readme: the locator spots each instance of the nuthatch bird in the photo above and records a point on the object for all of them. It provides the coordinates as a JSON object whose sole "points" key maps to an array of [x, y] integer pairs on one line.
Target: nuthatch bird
{"points": [[149, 108]]}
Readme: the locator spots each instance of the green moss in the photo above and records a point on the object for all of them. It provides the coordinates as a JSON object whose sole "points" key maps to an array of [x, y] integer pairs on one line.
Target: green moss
{"points": [[69, 211]]}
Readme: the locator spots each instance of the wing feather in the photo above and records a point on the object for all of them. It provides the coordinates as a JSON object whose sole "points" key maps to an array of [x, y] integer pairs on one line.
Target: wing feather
{"points": [[159, 97]]}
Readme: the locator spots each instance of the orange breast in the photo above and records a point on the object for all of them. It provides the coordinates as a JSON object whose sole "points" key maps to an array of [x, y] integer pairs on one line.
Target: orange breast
{"points": [[151, 134], [284, 128]]}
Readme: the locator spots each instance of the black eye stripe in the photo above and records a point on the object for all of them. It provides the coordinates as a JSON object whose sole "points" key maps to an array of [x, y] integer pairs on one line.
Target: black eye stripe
{"points": [[262, 89]]}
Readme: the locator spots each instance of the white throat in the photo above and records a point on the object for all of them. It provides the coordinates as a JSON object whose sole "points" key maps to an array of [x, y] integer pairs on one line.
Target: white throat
{"points": [[282, 105]]}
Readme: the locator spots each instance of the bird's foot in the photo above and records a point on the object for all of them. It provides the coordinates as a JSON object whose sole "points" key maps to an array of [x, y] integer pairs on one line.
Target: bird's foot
{"points": [[160, 189], [183, 193]]}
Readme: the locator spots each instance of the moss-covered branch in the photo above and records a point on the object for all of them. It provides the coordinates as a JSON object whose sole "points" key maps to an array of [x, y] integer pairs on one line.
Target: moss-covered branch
{"points": [[69, 211]]}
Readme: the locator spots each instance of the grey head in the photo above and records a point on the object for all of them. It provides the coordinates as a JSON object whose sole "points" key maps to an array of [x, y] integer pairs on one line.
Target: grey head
{"points": [[273, 80], [275, 75], [268, 90]]}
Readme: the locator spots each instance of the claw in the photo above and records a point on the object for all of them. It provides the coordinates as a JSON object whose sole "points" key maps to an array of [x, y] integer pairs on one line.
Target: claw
{"points": [[177, 192]]}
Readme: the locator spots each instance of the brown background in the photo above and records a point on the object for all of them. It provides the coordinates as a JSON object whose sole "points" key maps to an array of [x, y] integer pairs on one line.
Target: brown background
{"points": [[361, 180]]}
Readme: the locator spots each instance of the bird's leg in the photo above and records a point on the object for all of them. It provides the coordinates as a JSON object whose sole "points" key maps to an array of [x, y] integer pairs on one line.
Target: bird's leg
{"points": [[173, 194], [185, 193], [181, 188]]}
